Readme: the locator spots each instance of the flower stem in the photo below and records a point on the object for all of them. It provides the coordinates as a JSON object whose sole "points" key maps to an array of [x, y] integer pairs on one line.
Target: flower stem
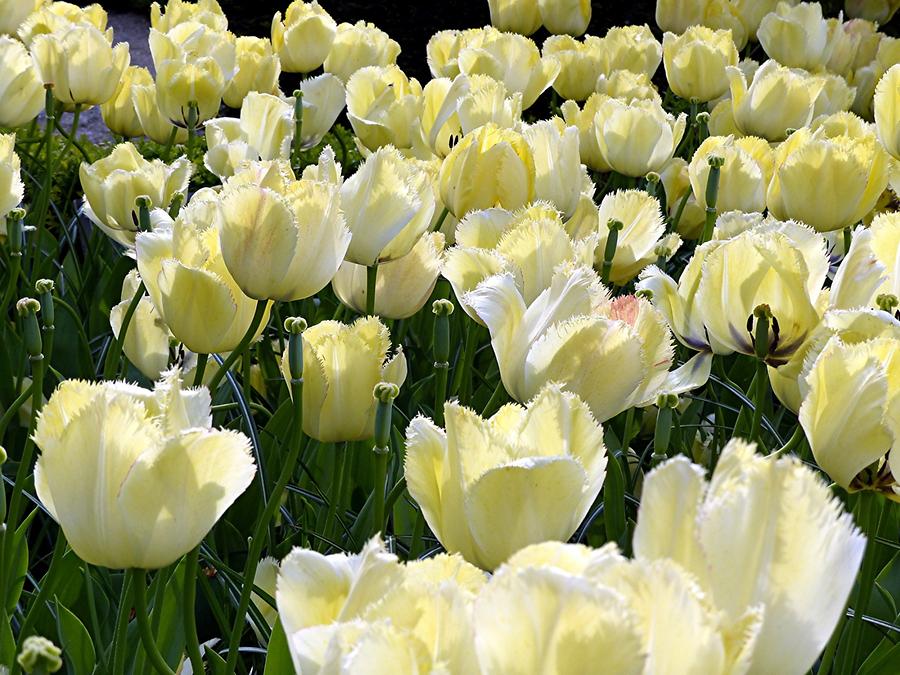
{"points": [[712, 196], [121, 630], [371, 279], [239, 350], [111, 364], [192, 641], [139, 581]]}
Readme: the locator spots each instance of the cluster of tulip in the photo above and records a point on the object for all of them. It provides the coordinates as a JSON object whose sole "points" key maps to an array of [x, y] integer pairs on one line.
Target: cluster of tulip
{"points": [[552, 479]]}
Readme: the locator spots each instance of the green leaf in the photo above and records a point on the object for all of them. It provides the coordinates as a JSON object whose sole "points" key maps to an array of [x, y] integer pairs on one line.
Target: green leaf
{"points": [[614, 499], [169, 621], [78, 649], [278, 656], [7, 640], [217, 665]]}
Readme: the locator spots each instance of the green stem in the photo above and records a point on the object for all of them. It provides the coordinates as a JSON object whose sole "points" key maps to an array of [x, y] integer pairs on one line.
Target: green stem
{"points": [[371, 279], [25, 470], [497, 395], [192, 640], [712, 197], [441, 219], [121, 630], [337, 488], [298, 129], [111, 364], [15, 267], [199, 371], [139, 581], [239, 350], [761, 389], [609, 252], [193, 116], [167, 150], [796, 439], [381, 462], [14, 408]]}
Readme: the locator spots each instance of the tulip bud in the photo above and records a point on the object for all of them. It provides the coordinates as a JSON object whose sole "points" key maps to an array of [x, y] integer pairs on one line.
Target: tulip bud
{"points": [[609, 251], [515, 16], [39, 655], [21, 88], [384, 393], [442, 309], [695, 62], [303, 40], [565, 16], [295, 327]]}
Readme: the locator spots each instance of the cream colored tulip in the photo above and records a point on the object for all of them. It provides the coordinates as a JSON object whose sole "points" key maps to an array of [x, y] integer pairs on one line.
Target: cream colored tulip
{"points": [[625, 84], [544, 341], [581, 63], [695, 62], [384, 107], [181, 84], [785, 604], [851, 173], [677, 16], [843, 46], [513, 60], [638, 137], [80, 64], [20, 84], [743, 178], [887, 111], [442, 52], [539, 469], [188, 282], [633, 48], [880, 11], [154, 125], [834, 97], [752, 12], [206, 12], [359, 45], [282, 246], [120, 113], [344, 363], [323, 101], [778, 99], [58, 17], [587, 121], [136, 478], [402, 286], [304, 39], [795, 36], [885, 231], [557, 164], [641, 242], [190, 41], [258, 69], [146, 343], [488, 167], [112, 184], [515, 16], [14, 12], [12, 189], [565, 17], [389, 204]]}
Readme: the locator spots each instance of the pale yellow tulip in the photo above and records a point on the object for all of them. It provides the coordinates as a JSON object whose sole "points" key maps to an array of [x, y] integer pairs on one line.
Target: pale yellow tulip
{"points": [[147, 342], [580, 64], [696, 60], [14, 12], [638, 137], [58, 17], [21, 88], [625, 84], [304, 39], [206, 12], [12, 189], [795, 36], [743, 178], [515, 16], [633, 48], [257, 70], [677, 16], [887, 111], [153, 124], [563, 17], [558, 174], [880, 11], [359, 45], [384, 107]]}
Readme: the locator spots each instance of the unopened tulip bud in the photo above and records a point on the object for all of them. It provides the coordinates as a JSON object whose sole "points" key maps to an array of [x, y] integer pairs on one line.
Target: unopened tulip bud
{"points": [[39, 655]]}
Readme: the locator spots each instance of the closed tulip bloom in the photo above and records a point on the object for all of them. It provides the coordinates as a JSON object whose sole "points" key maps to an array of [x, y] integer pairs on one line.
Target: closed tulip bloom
{"points": [[14, 12], [887, 111], [581, 63], [515, 16], [752, 12], [402, 287], [565, 17], [136, 478], [625, 84], [189, 283], [206, 12], [885, 231], [743, 178], [21, 88], [12, 189], [641, 242], [384, 107], [795, 36], [513, 60], [143, 96], [304, 39], [359, 45], [587, 121], [388, 203], [528, 486], [790, 600], [282, 246], [58, 17], [696, 60], [258, 69], [119, 113], [843, 47], [323, 101], [180, 84], [851, 173], [638, 137], [879, 11], [488, 102], [147, 341], [190, 41], [344, 365], [557, 164], [835, 96], [677, 16], [112, 184], [633, 48], [778, 99], [80, 64], [488, 167]]}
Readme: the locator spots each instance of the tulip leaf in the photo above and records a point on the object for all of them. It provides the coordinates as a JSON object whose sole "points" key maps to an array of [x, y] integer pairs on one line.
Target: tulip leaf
{"points": [[882, 661], [217, 665], [278, 656], [168, 620], [614, 499], [7, 640], [19, 566], [75, 641]]}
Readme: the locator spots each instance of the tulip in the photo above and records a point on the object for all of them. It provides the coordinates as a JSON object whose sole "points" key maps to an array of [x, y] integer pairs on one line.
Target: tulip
{"points": [[389, 203], [632, 48], [879, 11], [752, 12], [843, 46], [357, 46], [304, 39], [487, 102], [625, 84], [885, 231], [264, 131], [743, 178], [696, 61], [677, 16], [120, 113], [20, 85], [190, 41], [638, 137], [181, 85], [258, 69], [144, 99], [586, 121], [778, 99], [112, 184], [835, 96], [14, 12], [795, 36], [513, 60], [565, 16], [751, 502], [580, 64], [189, 283], [442, 52], [80, 64], [58, 17], [384, 107], [206, 12], [515, 16], [887, 111], [346, 362], [532, 489], [488, 167], [136, 478], [543, 341], [323, 100], [282, 246], [402, 287], [146, 343], [12, 189], [640, 242], [851, 173], [557, 164]]}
